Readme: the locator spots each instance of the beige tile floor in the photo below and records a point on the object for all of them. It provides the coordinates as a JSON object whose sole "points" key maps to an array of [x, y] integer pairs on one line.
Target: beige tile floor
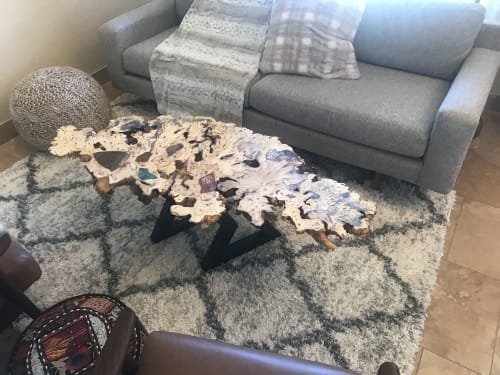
{"points": [[461, 334]]}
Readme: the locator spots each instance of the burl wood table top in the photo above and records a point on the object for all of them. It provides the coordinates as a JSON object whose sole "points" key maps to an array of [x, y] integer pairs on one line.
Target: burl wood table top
{"points": [[206, 165]]}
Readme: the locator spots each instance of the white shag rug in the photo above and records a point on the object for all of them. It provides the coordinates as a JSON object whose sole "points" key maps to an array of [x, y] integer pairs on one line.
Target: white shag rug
{"points": [[356, 307]]}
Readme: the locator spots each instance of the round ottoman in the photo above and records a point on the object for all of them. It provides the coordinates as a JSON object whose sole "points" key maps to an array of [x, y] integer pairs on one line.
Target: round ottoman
{"points": [[68, 337], [49, 98]]}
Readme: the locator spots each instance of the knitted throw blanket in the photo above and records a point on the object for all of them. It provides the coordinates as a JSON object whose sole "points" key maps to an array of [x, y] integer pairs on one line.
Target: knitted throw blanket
{"points": [[206, 66]]}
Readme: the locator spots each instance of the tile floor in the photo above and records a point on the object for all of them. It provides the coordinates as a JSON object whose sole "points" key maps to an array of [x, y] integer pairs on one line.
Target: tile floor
{"points": [[461, 334]]}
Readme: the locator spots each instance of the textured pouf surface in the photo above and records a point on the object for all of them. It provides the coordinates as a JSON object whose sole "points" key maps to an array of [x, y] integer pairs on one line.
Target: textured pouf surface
{"points": [[49, 98], [68, 338]]}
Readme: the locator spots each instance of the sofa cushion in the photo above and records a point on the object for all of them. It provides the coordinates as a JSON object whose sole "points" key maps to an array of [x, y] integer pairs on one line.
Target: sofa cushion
{"points": [[312, 38], [386, 109], [136, 58], [431, 39], [181, 7]]}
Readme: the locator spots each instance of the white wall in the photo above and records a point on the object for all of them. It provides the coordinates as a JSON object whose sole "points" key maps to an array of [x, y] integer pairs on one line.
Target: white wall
{"points": [[492, 10], [40, 33]]}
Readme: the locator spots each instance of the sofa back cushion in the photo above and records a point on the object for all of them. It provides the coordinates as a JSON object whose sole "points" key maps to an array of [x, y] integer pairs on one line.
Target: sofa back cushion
{"points": [[181, 7], [429, 39]]}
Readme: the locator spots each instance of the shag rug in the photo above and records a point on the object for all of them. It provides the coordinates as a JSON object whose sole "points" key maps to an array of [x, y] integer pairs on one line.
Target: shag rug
{"points": [[357, 306]]}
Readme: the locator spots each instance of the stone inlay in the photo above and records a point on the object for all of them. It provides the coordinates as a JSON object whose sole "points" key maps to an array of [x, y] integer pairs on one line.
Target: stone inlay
{"points": [[111, 159], [205, 165]]}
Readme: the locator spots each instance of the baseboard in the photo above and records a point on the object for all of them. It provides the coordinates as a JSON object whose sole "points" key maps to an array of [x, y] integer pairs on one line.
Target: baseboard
{"points": [[7, 129], [101, 76]]}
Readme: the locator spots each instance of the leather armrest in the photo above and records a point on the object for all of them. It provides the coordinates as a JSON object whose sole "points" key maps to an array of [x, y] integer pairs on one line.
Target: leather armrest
{"points": [[114, 358], [18, 270], [174, 354], [17, 265], [16, 297], [4, 240], [4, 243]]}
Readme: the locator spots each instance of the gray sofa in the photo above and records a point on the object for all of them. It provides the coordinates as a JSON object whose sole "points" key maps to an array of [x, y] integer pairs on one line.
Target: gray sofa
{"points": [[411, 115]]}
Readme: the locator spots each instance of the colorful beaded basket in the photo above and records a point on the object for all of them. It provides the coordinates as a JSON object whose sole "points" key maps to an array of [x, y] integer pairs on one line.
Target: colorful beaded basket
{"points": [[68, 337]]}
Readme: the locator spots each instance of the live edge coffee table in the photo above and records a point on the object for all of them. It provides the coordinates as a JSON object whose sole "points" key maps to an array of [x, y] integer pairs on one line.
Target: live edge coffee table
{"points": [[203, 167]]}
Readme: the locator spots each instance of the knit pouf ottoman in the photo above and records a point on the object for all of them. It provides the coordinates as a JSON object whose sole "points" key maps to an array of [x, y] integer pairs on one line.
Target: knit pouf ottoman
{"points": [[49, 98], [68, 337]]}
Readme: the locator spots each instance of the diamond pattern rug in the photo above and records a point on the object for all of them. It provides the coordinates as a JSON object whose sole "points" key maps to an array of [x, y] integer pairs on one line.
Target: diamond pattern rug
{"points": [[356, 307]]}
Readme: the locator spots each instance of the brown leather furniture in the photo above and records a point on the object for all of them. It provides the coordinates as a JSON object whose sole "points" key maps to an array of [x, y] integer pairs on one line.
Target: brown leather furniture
{"points": [[174, 354], [18, 271], [166, 352]]}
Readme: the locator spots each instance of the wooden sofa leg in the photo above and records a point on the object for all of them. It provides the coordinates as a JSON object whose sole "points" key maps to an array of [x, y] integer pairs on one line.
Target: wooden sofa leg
{"points": [[377, 180]]}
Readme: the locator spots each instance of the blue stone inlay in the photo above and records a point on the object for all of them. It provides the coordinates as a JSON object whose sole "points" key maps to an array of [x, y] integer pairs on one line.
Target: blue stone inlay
{"points": [[315, 195], [145, 174], [295, 180], [285, 155]]}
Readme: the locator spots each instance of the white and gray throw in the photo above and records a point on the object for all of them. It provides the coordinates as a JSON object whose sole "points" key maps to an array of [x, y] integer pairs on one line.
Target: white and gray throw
{"points": [[207, 65]]}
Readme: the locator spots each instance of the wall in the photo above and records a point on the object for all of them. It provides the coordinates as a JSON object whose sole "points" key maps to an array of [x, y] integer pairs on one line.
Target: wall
{"points": [[40, 33]]}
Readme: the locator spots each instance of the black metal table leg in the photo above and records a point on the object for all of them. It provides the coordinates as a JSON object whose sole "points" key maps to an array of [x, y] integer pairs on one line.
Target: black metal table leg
{"points": [[168, 225], [222, 250]]}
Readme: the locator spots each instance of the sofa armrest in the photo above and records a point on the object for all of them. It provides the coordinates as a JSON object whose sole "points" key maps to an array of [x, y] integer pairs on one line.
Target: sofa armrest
{"points": [[457, 120], [17, 297], [18, 271], [488, 37], [168, 353], [133, 27]]}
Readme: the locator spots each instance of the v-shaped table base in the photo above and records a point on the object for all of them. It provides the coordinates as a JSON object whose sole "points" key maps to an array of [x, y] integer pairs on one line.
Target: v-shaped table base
{"points": [[221, 249]]}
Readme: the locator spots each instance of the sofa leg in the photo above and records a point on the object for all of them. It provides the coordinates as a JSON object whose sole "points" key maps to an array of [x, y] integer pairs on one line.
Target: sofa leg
{"points": [[377, 180], [479, 127], [388, 368]]}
